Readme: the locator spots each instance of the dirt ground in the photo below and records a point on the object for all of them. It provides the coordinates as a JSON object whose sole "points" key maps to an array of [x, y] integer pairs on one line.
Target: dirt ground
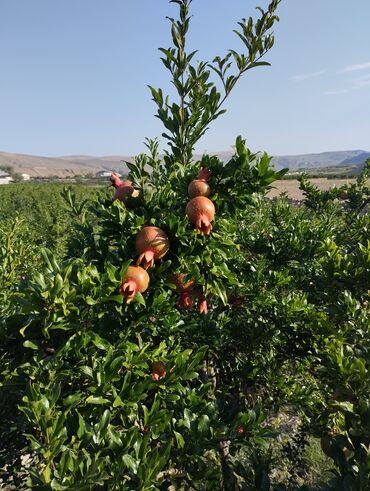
{"points": [[292, 186]]}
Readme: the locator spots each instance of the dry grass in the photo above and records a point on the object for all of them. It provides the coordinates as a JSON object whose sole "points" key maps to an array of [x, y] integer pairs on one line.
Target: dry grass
{"points": [[292, 186]]}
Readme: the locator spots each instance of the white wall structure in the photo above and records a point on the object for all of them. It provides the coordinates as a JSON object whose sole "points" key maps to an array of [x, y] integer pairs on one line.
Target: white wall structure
{"points": [[103, 173], [5, 178]]}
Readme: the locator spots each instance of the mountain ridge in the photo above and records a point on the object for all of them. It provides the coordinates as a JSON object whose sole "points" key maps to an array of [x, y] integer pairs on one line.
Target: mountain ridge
{"points": [[72, 165]]}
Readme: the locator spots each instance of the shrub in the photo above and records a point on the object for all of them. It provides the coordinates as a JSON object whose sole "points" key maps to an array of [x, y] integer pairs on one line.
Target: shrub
{"points": [[151, 395]]}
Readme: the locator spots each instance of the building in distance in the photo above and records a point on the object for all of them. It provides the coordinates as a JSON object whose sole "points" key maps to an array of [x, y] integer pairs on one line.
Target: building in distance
{"points": [[103, 173], [5, 177]]}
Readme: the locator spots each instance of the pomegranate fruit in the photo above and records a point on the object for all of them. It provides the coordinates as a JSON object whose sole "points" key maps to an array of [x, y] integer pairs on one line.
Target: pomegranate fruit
{"points": [[201, 211], [178, 281], [135, 280], [204, 174], [158, 370], [123, 189], [185, 301], [198, 187], [203, 306], [151, 244], [184, 288]]}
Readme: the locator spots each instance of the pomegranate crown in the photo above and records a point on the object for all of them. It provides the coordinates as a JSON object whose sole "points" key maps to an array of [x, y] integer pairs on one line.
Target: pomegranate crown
{"points": [[203, 306], [185, 300], [115, 179], [204, 174], [117, 182]]}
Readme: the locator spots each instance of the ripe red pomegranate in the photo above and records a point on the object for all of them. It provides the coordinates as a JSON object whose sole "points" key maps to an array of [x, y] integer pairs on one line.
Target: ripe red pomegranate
{"points": [[201, 211], [158, 370], [135, 280], [204, 174], [123, 189], [185, 301], [151, 244], [198, 187], [184, 288]]}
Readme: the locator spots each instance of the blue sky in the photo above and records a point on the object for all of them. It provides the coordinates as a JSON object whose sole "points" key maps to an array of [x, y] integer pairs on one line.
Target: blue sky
{"points": [[74, 75]]}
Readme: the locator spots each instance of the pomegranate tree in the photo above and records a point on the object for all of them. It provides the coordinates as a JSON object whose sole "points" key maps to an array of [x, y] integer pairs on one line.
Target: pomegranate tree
{"points": [[105, 424], [93, 342], [87, 392], [94, 326]]}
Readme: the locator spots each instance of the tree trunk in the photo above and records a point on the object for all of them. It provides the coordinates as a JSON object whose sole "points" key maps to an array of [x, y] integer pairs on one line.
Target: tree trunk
{"points": [[228, 477]]}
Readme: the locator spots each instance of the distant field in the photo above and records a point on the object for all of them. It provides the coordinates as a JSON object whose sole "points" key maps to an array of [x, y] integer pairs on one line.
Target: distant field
{"points": [[292, 186]]}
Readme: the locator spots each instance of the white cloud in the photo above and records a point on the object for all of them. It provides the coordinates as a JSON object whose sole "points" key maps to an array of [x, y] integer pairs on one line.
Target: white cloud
{"points": [[336, 92], [306, 76], [354, 68], [364, 77], [359, 84]]}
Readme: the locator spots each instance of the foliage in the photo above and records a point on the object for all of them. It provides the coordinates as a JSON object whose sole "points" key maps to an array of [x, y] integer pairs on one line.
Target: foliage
{"points": [[286, 333], [46, 220], [356, 195]]}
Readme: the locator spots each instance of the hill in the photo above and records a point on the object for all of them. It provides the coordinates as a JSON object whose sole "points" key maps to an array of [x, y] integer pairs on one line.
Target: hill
{"points": [[358, 159], [72, 165], [320, 160], [37, 166], [313, 160]]}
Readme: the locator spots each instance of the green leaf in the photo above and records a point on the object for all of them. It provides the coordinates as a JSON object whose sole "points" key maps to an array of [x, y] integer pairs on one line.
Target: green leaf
{"points": [[139, 299], [31, 345], [104, 422], [96, 400], [118, 402], [81, 426], [179, 439], [87, 371], [203, 423], [90, 301], [130, 463], [72, 400]]}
